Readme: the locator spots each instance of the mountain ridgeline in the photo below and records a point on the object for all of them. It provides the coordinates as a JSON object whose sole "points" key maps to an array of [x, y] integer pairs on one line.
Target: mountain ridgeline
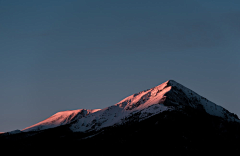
{"points": [[168, 119]]}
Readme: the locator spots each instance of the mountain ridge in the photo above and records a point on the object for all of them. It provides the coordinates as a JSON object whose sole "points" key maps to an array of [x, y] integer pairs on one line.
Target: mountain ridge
{"points": [[60, 118], [164, 97]]}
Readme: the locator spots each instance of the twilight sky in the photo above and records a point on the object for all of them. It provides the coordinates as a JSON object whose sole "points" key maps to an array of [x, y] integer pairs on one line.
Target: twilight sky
{"points": [[60, 55]]}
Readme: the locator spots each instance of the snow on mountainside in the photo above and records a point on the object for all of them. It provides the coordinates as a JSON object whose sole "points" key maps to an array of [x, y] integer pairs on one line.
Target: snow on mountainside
{"points": [[194, 100], [165, 97], [148, 103], [60, 118]]}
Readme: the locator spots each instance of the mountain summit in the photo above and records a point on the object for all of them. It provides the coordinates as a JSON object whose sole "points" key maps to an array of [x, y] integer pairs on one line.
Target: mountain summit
{"points": [[167, 96]]}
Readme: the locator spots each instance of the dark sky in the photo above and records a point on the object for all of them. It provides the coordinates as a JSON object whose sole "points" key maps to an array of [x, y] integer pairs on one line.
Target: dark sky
{"points": [[60, 55]]}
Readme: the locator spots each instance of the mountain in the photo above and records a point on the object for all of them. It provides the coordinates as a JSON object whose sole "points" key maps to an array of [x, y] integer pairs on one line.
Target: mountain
{"points": [[145, 104], [168, 119]]}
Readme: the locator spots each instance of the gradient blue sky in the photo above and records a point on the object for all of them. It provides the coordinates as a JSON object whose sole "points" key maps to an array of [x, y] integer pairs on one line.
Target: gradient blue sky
{"points": [[60, 55]]}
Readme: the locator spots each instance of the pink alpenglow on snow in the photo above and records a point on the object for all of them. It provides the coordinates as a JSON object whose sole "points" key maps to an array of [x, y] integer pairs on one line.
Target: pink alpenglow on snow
{"points": [[60, 118], [86, 119], [148, 103]]}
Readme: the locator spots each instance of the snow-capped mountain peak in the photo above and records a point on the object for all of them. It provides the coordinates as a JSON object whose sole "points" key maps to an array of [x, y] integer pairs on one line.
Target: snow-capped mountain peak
{"points": [[165, 97]]}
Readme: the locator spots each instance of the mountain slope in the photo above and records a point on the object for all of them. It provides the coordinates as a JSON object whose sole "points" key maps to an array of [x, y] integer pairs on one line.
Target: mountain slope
{"points": [[60, 118], [180, 95], [147, 102]]}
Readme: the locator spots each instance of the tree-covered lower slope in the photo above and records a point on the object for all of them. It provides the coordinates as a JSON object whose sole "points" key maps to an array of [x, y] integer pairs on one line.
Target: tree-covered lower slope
{"points": [[183, 131]]}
